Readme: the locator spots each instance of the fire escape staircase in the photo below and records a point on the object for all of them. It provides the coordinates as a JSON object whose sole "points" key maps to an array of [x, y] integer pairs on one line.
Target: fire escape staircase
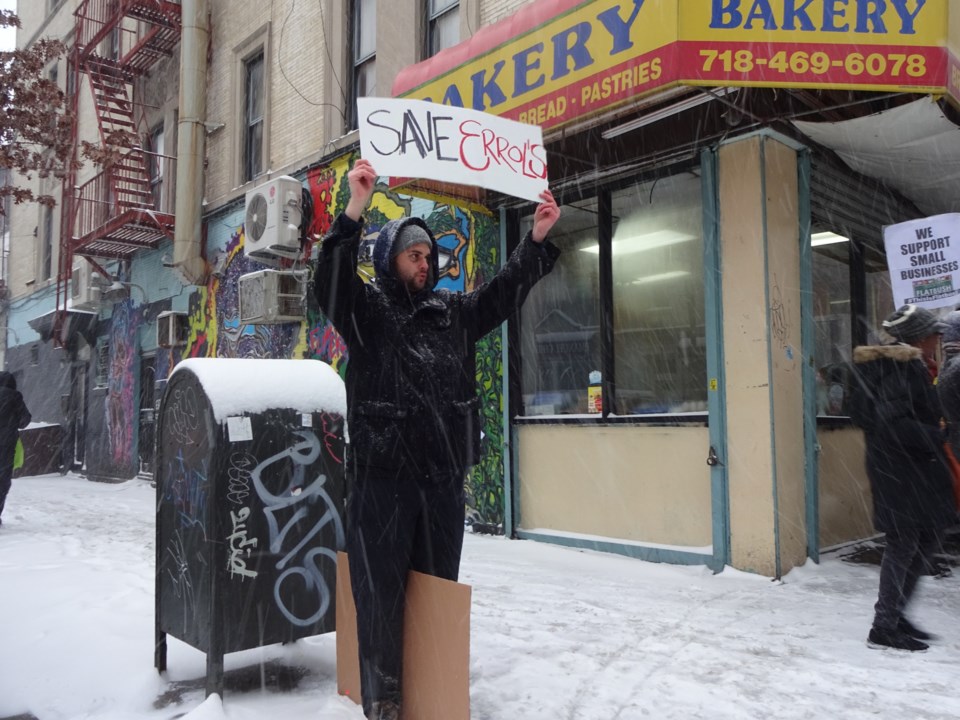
{"points": [[114, 214]]}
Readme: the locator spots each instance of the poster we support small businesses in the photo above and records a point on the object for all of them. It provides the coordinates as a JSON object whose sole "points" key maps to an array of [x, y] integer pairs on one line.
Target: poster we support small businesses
{"points": [[419, 139], [924, 260]]}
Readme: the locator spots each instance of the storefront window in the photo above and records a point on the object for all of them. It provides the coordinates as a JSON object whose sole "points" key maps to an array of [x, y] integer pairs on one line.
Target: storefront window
{"points": [[658, 297], [560, 322], [833, 335], [659, 344], [879, 299]]}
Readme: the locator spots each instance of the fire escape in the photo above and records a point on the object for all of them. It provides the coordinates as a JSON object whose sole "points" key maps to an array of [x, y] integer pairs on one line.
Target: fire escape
{"points": [[118, 211]]}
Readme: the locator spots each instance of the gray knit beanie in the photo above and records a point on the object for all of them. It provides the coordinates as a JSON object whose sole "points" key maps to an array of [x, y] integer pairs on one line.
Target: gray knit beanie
{"points": [[409, 236], [911, 323]]}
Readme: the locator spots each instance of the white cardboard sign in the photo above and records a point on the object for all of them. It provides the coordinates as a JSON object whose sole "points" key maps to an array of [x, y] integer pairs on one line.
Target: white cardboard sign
{"points": [[924, 260], [420, 139]]}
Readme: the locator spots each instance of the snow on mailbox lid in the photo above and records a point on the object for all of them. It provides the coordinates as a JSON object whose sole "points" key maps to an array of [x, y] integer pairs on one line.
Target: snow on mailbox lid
{"points": [[236, 385]]}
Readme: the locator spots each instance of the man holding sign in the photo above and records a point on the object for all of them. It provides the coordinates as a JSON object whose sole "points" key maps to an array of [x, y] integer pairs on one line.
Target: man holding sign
{"points": [[412, 409]]}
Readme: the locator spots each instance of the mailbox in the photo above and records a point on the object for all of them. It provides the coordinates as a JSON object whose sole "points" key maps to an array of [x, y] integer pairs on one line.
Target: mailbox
{"points": [[250, 497]]}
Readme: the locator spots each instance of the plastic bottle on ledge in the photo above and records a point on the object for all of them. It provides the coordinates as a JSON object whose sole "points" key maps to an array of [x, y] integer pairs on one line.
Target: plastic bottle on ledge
{"points": [[595, 393]]}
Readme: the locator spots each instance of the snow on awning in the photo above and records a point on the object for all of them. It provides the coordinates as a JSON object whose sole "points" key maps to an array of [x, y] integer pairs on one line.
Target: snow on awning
{"points": [[912, 148], [236, 386]]}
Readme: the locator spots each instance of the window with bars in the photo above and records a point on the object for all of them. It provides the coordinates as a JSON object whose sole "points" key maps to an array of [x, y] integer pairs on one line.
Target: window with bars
{"points": [[443, 25], [253, 116], [103, 363], [363, 54]]}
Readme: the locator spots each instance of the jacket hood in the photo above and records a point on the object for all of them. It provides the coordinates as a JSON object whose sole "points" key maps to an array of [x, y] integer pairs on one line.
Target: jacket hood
{"points": [[897, 353], [7, 380], [384, 243]]}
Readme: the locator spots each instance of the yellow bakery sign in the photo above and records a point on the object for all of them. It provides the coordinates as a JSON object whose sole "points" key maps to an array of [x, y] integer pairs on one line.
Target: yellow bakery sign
{"points": [[559, 60]]}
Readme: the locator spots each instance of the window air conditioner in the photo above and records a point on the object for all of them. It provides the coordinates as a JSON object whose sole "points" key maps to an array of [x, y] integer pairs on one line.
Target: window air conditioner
{"points": [[271, 222], [85, 293], [272, 296], [172, 329]]}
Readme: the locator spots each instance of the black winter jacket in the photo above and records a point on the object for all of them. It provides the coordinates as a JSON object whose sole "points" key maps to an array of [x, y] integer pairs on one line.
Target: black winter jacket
{"points": [[411, 375], [13, 414], [895, 402], [948, 390]]}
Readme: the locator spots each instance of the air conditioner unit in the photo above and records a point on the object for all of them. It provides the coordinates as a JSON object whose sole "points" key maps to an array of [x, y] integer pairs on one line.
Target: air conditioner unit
{"points": [[172, 329], [85, 292], [272, 296], [271, 222]]}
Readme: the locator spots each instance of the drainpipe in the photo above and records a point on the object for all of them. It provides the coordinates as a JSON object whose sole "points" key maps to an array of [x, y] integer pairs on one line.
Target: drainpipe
{"points": [[188, 239]]}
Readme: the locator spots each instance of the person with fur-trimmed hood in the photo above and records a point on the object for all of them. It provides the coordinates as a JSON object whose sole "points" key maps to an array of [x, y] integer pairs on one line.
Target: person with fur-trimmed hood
{"points": [[894, 400], [14, 416], [412, 409]]}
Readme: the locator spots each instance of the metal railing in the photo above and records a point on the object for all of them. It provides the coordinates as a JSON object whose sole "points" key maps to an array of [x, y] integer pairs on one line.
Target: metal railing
{"points": [[139, 180]]}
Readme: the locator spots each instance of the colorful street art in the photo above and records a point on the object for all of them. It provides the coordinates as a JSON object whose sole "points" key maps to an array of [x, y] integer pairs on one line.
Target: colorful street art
{"points": [[120, 407], [469, 247]]}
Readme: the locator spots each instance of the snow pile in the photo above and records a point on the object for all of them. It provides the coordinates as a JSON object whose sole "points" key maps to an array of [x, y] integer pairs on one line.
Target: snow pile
{"points": [[236, 386]]}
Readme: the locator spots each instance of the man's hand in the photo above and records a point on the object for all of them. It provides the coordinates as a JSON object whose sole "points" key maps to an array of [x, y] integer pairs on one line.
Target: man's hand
{"points": [[546, 215], [361, 179]]}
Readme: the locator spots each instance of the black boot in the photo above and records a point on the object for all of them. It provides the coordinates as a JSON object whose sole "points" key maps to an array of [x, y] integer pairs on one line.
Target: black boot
{"points": [[896, 639]]}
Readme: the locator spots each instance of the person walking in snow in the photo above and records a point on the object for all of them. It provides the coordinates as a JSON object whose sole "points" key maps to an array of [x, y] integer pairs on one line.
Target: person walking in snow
{"points": [[894, 400], [13, 417], [412, 409], [948, 390]]}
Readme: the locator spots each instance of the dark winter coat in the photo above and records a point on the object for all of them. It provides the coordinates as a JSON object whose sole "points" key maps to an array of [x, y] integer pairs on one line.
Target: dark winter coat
{"points": [[411, 377], [13, 414], [948, 390], [895, 402]]}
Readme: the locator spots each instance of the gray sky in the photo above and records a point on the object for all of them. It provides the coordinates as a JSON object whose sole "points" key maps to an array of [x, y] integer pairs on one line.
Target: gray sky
{"points": [[8, 36]]}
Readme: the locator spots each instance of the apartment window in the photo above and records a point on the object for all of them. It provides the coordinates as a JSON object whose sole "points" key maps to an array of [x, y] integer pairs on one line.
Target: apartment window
{"points": [[155, 163], [253, 109], [443, 25], [364, 55], [46, 243], [654, 301]]}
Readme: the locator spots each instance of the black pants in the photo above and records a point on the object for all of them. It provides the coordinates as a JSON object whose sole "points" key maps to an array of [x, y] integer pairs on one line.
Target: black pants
{"points": [[6, 472], [396, 523], [907, 556]]}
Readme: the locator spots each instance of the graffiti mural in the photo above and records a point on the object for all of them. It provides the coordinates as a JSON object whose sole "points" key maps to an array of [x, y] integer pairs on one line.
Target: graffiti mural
{"points": [[469, 254], [121, 401]]}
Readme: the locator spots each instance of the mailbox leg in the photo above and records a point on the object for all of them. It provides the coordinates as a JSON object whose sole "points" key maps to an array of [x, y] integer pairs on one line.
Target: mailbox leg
{"points": [[160, 651], [214, 674]]}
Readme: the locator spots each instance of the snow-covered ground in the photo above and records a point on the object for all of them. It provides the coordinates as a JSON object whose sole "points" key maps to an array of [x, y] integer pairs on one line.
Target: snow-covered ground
{"points": [[557, 634]]}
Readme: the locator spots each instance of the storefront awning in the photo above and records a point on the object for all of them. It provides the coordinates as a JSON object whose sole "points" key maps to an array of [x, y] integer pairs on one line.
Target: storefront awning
{"points": [[913, 148]]}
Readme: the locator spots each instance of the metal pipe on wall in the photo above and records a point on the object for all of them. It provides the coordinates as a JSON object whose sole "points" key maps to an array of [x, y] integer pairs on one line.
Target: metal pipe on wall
{"points": [[188, 237]]}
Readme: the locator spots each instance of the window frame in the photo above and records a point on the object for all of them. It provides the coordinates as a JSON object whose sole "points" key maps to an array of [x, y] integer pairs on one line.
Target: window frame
{"points": [[45, 245], [250, 125], [101, 364], [258, 42], [430, 21], [605, 226], [155, 163], [358, 63]]}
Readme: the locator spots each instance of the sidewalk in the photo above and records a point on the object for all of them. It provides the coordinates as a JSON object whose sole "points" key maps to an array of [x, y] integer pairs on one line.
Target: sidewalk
{"points": [[556, 633]]}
